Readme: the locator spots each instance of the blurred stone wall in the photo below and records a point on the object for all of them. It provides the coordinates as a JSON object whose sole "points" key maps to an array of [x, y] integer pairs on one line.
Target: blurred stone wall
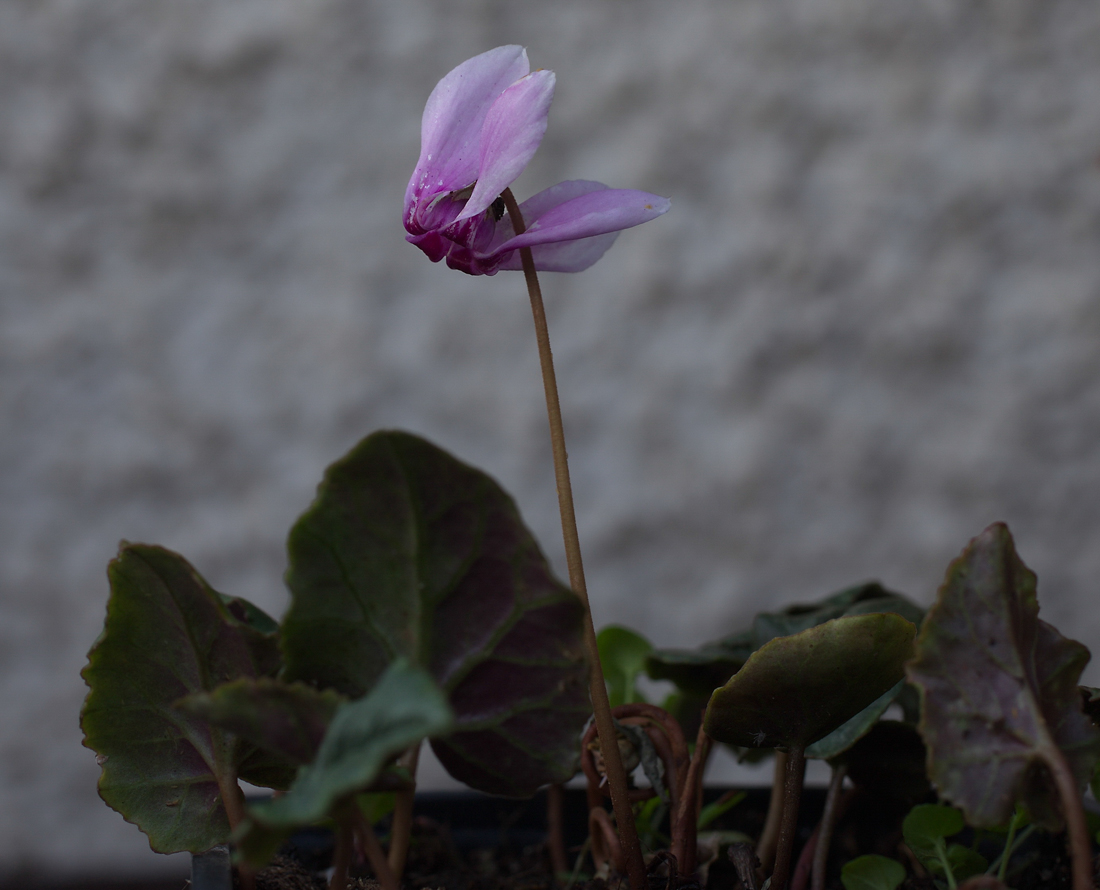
{"points": [[868, 327]]}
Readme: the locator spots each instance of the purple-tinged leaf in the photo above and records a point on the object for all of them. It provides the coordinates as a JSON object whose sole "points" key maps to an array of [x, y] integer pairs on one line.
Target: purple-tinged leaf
{"points": [[404, 706], [168, 635], [999, 688], [285, 721], [408, 552]]}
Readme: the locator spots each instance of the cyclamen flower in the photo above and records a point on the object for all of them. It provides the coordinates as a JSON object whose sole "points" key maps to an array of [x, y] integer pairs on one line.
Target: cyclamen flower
{"points": [[481, 126]]}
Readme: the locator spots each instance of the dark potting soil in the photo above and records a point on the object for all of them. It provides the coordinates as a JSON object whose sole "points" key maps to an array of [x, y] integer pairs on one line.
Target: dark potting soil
{"points": [[463, 841], [473, 842]]}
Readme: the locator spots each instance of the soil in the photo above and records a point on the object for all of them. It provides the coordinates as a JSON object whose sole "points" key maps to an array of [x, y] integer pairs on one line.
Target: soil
{"points": [[501, 847]]}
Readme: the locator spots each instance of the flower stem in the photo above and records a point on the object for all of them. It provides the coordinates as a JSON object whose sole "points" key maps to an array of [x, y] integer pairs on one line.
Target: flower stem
{"points": [[616, 775]]}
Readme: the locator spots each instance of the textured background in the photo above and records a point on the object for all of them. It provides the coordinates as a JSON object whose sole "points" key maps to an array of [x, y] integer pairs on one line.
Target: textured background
{"points": [[868, 327]]}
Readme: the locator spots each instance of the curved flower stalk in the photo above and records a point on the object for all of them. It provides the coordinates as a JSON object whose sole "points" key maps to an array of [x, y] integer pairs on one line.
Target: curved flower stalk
{"points": [[481, 126]]}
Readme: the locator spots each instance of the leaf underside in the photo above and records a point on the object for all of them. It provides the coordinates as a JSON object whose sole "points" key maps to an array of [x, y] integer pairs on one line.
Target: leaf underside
{"points": [[167, 635], [795, 690], [407, 552], [851, 731], [402, 708], [284, 721], [999, 687]]}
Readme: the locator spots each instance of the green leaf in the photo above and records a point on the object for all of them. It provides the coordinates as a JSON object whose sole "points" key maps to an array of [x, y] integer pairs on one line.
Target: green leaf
{"points": [[999, 687], [167, 635], [847, 734], [928, 823], [863, 599], [925, 829], [407, 552], [623, 656], [964, 862], [376, 805], [404, 707], [703, 670], [795, 690], [872, 872], [285, 720]]}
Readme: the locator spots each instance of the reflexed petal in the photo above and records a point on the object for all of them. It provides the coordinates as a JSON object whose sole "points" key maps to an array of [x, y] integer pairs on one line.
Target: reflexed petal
{"points": [[537, 205], [510, 135], [593, 213], [564, 256], [450, 130]]}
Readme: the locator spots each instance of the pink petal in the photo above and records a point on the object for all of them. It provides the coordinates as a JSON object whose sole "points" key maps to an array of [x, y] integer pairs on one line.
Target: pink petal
{"points": [[538, 204], [510, 136], [564, 256], [593, 212], [450, 130]]}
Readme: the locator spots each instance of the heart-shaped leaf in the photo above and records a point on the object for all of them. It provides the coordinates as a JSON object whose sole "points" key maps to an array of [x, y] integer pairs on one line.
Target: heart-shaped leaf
{"points": [[622, 656], [408, 552], [926, 829], [928, 823], [795, 690], [403, 707], [872, 872], [168, 635], [706, 668], [285, 721], [999, 688]]}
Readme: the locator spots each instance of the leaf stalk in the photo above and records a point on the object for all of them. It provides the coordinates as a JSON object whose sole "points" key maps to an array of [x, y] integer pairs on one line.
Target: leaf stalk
{"points": [[828, 822], [792, 797], [373, 849], [402, 814], [1073, 811], [769, 836]]}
